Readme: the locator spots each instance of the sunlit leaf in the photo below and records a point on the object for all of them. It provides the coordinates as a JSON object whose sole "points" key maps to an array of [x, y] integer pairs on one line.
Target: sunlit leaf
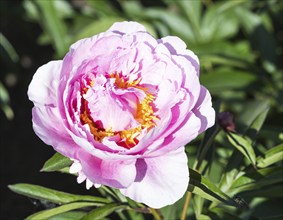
{"points": [[58, 210], [256, 179], [204, 217], [43, 193], [243, 145], [257, 123], [95, 27], [232, 54], [220, 21], [54, 25], [250, 113], [168, 18], [103, 211], [222, 214], [55, 163], [103, 8], [271, 156], [135, 215], [192, 10], [231, 171], [226, 79], [71, 215], [206, 189]]}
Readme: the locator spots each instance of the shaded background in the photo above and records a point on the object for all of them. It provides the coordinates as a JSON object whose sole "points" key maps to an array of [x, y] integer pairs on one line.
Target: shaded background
{"points": [[240, 48], [22, 152]]}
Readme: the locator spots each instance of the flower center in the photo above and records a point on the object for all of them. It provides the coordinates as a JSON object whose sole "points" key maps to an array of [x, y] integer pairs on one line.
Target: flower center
{"points": [[144, 114]]}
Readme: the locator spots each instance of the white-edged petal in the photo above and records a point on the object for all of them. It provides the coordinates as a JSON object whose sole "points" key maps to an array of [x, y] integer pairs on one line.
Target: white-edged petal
{"points": [[160, 181]]}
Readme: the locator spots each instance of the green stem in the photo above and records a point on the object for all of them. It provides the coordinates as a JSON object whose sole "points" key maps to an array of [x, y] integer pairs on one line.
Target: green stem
{"points": [[205, 149], [156, 214], [186, 205]]}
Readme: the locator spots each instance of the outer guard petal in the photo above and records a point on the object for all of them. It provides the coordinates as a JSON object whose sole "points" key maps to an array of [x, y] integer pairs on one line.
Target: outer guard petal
{"points": [[48, 125], [47, 121], [43, 87], [160, 180], [197, 121], [127, 27], [178, 47], [114, 173]]}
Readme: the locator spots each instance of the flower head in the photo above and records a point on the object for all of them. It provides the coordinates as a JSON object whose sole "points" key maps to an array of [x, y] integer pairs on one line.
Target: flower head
{"points": [[122, 105]]}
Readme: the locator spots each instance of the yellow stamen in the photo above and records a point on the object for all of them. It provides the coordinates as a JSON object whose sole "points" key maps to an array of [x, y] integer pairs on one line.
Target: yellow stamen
{"points": [[144, 114], [123, 82], [97, 133]]}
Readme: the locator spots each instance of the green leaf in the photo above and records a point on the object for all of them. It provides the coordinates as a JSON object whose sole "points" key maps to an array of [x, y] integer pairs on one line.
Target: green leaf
{"points": [[95, 27], [271, 156], [203, 217], [222, 214], [223, 59], [192, 10], [247, 117], [259, 120], [257, 123], [54, 25], [248, 19], [55, 163], [257, 184], [103, 211], [230, 54], [168, 18], [220, 21], [72, 215], [226, 79], [203, 193], [4, 102], [272, 191], [43, 193], [135, 215], [231, 171], [9, 48], [58, 210], [243, 145], [102, 8], [256, 179], [206, 145], [206, 189]]}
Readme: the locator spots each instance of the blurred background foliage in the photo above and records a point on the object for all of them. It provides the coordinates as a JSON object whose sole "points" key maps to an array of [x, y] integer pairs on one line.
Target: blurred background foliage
{"points": [[236, 165]]}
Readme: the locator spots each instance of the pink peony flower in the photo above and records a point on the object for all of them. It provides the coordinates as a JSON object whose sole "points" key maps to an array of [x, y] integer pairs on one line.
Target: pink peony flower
{"points": [[122, 105]]}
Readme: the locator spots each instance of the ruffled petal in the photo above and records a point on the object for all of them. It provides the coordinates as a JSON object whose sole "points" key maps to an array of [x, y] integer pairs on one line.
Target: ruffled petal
{"points": [[115, 173], [48, 125], [160, 180], [127, 27], [43, 87], [197, 121], [176, 46]]}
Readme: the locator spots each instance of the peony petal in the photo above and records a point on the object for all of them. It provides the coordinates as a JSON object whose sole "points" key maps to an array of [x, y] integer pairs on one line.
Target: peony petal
{"points": [[204, 110], [196, 122], [161, 180], [114, 173], [75, 167], [48, 125], [127, 27], [43, 87], [178, 47], [89, 184]]}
